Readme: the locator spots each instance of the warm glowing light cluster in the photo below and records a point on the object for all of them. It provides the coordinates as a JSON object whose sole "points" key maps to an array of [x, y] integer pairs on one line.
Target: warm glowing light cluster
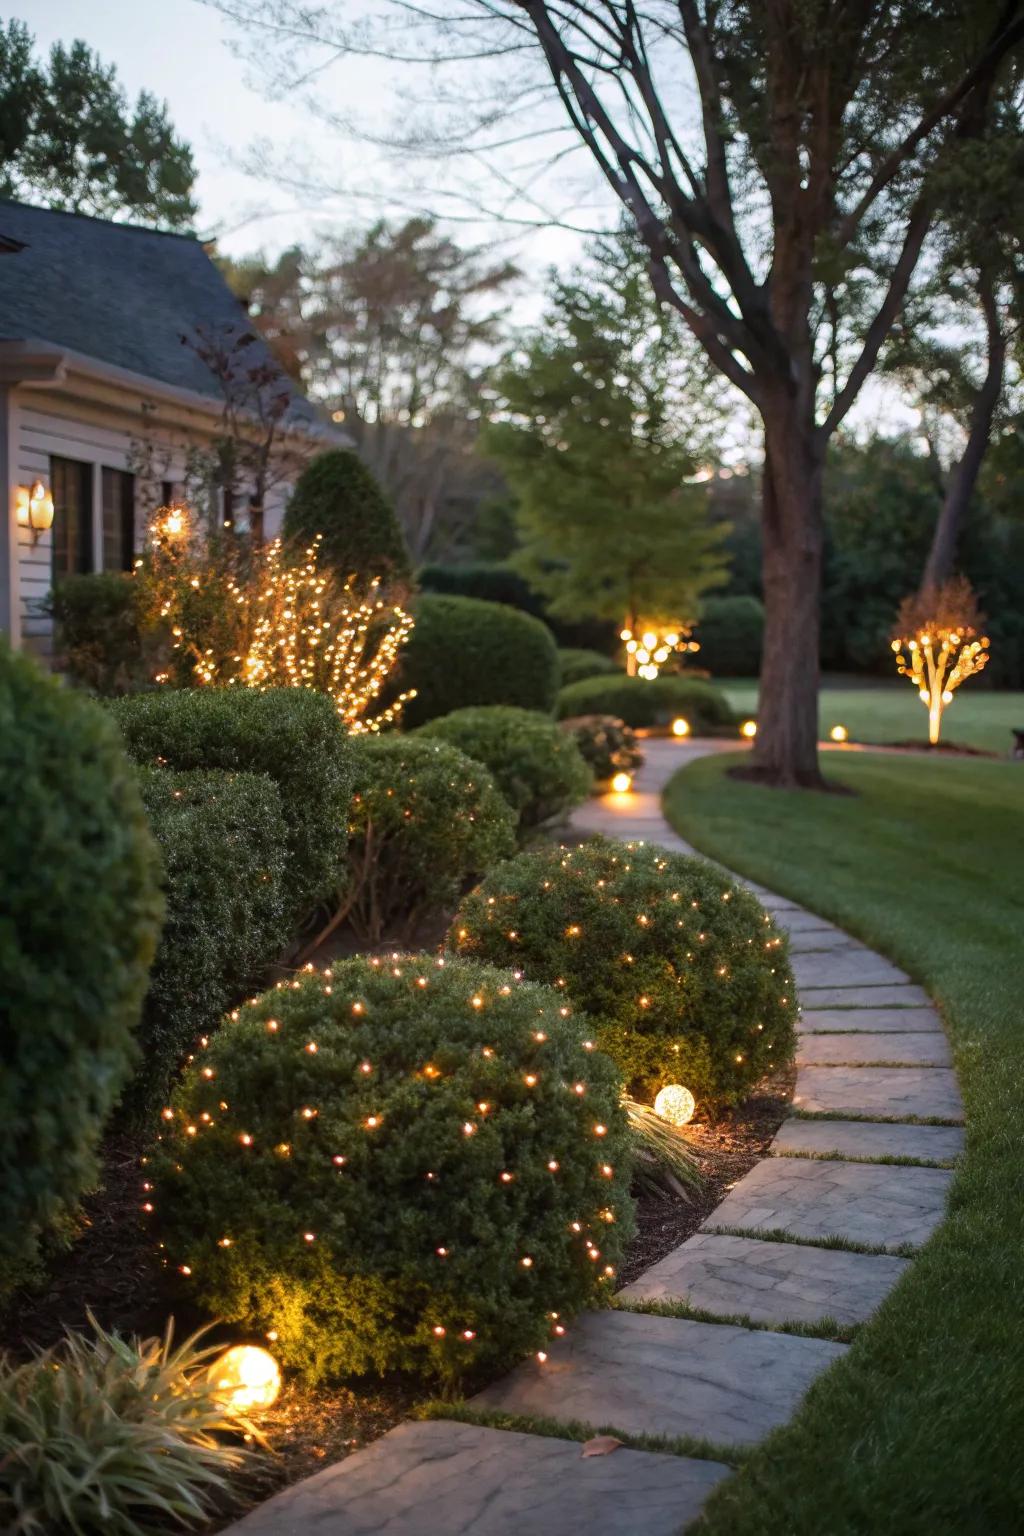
{"points": [[246, 1377], [675, 1104], [937, 646], [648, 651]]}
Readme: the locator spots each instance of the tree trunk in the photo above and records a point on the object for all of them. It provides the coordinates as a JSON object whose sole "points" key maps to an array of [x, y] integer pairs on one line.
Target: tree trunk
{"points": [[964, 476], [786, 746]]}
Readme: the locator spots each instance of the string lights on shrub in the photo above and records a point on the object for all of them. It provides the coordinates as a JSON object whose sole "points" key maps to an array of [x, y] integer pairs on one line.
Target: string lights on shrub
{"points": [[937, 645]]}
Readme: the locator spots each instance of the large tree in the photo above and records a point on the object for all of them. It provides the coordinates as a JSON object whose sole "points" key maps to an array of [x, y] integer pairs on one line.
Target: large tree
{"points": [[70, 138], [779, 161], [600, 421]]}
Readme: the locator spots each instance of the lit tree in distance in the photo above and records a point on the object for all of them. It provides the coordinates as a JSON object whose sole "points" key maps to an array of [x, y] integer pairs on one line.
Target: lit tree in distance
{"points": [[937, 646]]}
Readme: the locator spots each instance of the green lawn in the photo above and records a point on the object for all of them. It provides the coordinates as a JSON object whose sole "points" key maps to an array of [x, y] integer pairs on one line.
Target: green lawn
{"points": [[881, 712], [920, 1428]]}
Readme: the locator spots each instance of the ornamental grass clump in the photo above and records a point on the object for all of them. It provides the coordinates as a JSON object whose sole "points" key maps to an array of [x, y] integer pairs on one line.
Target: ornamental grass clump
{"points": [[682, 972], [425, 820], [107, 1436], [397, 1164], [538, 768]]}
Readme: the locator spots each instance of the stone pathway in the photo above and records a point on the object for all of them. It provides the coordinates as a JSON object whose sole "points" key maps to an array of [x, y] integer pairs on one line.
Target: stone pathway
{"points": [[813, 1237]]}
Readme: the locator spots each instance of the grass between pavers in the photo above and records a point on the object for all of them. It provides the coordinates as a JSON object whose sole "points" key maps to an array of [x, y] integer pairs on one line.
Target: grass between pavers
{"points": [[795, 1113], [462, 1412], [918, 1428], [892, 712], [832, 1240], [835, 1155], [824, 1328]]}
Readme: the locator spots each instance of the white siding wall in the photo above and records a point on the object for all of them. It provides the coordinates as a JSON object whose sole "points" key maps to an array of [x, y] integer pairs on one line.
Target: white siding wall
{"points": [[46, 424]]}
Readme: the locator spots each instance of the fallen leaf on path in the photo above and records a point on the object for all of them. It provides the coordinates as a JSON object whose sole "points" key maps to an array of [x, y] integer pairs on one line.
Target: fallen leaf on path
{"points": [[601, 1445]]}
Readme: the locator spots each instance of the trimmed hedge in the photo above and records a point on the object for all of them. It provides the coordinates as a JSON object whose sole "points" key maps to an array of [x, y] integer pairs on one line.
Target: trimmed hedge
{"points": [[425, 820], [80, 913], [293, 735], [223, 844], [98, 633], [606, 744], [496, 582], [337, 497], [398, 1180], [642, 704], [731, 633], [575, 664], [538, 768], [683, 973], [463, 651]]}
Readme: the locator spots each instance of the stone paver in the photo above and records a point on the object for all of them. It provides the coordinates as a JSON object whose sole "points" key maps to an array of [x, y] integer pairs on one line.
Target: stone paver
{"points": [[881, 1093], [929, 1049], [441, 1479], [769, 1282], [860, 996], [825, 941], [666, 1376], [797, 920], [866, 1138], [877, 1204], [898, 1021], [846, 968]]}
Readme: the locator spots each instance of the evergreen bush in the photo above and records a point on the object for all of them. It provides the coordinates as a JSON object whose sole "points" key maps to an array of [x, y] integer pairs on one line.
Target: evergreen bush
{"points": [[223, 844], [538, 768], [292, 735], [464, 651], [607, 744], [643, 704], [337, 497], [403, 1177], [683, 974], [425, 820], [575, 664], [80, 913], [731, 633], [99, 632]]}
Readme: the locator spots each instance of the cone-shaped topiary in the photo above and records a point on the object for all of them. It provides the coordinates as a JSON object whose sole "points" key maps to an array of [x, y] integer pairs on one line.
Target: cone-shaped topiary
{"points": [[80, 912], [337, 497], [538, 767], [397, 1163], [682, 972]]}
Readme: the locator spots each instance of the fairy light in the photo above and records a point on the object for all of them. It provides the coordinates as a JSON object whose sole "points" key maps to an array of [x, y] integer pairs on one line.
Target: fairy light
{"points": [[648, 649]]}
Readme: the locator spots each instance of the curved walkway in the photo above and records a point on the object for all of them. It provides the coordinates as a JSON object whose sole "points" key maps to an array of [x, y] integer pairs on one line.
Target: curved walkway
{"points": [[802, 1249]]}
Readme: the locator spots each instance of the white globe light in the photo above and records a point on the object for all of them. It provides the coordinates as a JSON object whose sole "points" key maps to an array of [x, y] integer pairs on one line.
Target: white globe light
{"points": [[246, 1377], [680, 727], [675, 1104]]}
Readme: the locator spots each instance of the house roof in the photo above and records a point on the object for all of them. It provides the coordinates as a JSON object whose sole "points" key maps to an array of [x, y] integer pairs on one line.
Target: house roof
{"points": [[121, 294]]}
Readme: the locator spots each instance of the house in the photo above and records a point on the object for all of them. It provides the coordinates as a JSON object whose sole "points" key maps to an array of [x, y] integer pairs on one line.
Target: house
{"points": [[126, 363]]}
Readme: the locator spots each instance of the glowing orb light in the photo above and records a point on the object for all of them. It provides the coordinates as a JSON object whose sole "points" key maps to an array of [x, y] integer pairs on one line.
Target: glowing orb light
{"points": [[675, 1104], [246, 1377], [622, 783], [749, 729], [680, 727], [839, 733]]}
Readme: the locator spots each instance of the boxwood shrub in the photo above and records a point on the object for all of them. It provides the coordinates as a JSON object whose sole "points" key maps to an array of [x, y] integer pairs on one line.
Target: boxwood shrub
{"points": [[464, 651], [683, 973], [293, 735], [425, 820], [731, 634], [575, 664], [607, 744], [99, 636], [223, 846], [386, 1165], [643, 704], [337, 497], [538, 768], [80, 912]]}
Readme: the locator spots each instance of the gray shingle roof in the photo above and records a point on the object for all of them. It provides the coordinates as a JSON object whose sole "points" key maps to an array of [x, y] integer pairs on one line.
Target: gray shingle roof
{"points": [[118, 293]]}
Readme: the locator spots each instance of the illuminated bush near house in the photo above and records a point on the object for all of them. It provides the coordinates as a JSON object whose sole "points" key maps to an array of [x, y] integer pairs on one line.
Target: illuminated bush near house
{"points": [[425, 819], [421, 1167], [538, 767], [683, 973]]}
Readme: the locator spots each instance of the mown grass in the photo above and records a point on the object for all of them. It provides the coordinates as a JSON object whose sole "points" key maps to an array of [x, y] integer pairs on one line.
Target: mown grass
{"points": [[887, 712], [919, 1429]]}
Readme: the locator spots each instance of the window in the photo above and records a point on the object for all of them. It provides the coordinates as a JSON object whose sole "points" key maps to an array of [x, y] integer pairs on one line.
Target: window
{"points": [[118, 520], [71, 483]]}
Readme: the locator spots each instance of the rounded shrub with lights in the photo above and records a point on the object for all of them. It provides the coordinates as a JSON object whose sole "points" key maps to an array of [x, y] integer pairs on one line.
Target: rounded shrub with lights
{"points": [[682, 972], [538, 768], [397, 1164]]}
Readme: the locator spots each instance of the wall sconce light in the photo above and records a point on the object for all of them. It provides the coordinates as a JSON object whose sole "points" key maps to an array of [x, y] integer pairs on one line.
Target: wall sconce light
{"points": [[34, 508]]}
